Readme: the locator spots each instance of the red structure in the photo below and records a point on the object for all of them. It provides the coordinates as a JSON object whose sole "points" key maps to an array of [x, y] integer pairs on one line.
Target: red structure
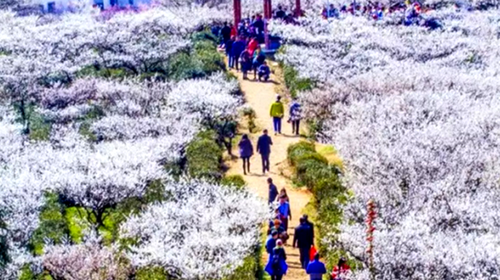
{"points": [[298, 9], [268, 14], [237, 12], [371, 215]]}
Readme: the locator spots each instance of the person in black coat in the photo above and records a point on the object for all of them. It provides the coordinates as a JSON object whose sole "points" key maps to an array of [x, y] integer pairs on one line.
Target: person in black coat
{"points": [[273, 191], [280, 14], [229, 47], [259, 24], [304, 240], [264, 148], [311, 225], [237, 49], [225, 32]]}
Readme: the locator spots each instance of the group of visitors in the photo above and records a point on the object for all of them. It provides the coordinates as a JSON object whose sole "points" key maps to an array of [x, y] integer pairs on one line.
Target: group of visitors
{"points": [[265, 142], [243, 49], [303, 239], [242, 43], [376, 11], [412, 12], [294, 115]]}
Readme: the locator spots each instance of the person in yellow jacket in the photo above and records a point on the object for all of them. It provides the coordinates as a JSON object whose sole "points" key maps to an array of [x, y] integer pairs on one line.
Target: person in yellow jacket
{"points": [[277, 112]]}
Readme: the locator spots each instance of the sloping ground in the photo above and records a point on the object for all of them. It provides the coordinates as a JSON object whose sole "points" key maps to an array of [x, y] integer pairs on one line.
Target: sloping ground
{"points": [[260, 96]]}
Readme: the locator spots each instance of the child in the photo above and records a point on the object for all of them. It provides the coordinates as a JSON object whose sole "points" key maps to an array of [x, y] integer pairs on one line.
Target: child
{"points": [[264, 72]]}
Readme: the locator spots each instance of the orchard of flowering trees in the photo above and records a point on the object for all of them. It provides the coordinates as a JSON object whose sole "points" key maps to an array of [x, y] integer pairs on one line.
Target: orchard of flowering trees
{"points": [[95, 117], [414, 116]]}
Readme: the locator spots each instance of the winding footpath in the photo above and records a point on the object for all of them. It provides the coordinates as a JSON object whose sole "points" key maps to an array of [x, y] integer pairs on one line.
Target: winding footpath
{"points": [[260, 96]]}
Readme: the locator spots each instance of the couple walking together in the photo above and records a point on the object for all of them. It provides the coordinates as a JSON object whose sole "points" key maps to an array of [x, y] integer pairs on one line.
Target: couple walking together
{"points": [[277, 112], [263, 147]]}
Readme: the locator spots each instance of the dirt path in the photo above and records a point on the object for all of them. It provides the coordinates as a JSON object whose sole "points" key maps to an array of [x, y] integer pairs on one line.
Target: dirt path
{"points": [[260, 96]]}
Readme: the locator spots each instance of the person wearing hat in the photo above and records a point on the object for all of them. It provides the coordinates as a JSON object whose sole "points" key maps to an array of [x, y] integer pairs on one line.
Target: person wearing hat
{"points": [[277, 112], [271, 241], [276, 265]]}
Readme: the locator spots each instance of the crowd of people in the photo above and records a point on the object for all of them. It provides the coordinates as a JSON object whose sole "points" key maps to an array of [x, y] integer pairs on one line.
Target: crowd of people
{"points": [[242, 43], [303, 239], [243, 50], [412, 12]]}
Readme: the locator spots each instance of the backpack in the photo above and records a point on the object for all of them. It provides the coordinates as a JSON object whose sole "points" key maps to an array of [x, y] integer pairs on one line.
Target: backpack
{"points": [[275, 261]]}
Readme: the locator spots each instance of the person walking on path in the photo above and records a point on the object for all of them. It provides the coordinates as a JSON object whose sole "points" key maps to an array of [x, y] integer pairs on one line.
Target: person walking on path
{"points": [[277, 111], [246, 152], [236, 50], [285, 212], [264, 148], [229, 46], [311, 225], [295, 113], [276, 265], [225, 33], [303, 240], [283, 193], [271, 242], [316, 269], [273, 191], [276, 226]]}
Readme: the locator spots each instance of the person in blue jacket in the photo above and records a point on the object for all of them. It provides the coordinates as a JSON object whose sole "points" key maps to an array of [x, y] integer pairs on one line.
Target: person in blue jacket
{"points": [[316, 269], [264, 72], [276, 265], [237, 48], [271, 242]]}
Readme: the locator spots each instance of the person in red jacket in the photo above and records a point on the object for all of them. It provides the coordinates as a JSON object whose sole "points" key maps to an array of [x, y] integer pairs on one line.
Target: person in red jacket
{"points": [[234, 31], [252, 45], [340, 270]]}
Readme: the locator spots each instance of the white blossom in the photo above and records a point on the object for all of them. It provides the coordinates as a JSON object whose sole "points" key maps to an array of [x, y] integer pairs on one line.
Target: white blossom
{"points": [[90, 260], [202, 231], [413, 114]]}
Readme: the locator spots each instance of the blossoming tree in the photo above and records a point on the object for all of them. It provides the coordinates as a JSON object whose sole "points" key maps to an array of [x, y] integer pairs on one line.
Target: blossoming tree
{"points": [[412, 113]]}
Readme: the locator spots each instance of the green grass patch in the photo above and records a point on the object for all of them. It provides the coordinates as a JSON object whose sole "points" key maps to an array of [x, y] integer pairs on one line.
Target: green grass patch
{"points": [[204, 157], [294, 83], [315, 171], [52, 224], [201, 60], [235, 181]]}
